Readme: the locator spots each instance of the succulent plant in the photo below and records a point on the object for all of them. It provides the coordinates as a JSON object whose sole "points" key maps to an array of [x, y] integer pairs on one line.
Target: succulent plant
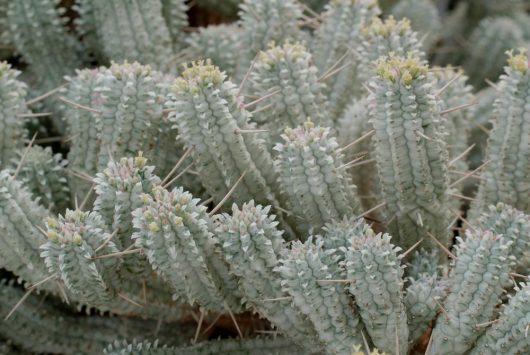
{"points": [[288, 75], [293, 178], [313, 177], [12, 106], [39, 34], [424, 18], [507, 152], [409, 134], [480, 269], [340, 29], [501, 31], [45, 175], [373, 266]]}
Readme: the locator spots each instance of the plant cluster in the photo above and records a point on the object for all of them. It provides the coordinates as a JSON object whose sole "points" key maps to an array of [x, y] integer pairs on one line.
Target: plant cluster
{"points": [[316, 177]]}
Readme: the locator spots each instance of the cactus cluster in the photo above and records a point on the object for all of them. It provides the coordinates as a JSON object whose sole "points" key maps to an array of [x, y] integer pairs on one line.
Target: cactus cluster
{"points": [[313, 177]]}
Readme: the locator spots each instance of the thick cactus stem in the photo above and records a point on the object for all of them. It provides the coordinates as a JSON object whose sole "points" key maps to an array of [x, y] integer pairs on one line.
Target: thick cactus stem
{"points": [[509, 335], [288, 71], [252, 244], [210, 122], [410, 151], [314, 178], [373, 265], [176, 234], [475, 285], [12, 104], [74, 241], [308, 272], [507, 173]]}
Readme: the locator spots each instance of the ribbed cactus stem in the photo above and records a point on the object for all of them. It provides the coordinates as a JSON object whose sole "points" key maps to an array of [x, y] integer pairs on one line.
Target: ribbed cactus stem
{"points": [[410, 151], [512, 225], [288, 70], [74, 240], [266, 21], [39, 33], [488, 42], [423, 261], [509, 335], [506, 175], [176, 233], [81, 124], [341, 27], [49, 326], [455, 92], [258, 346], [355, 132], [209, 122], [422, 297], [119, 112], [12, 103], [309, 275], [252, 244], [380, 38], [475, 285], [373, 266], [21, 238], [424, 18], [339, 234], [38, 326], [44, 174], [5, 37], [479, 130], [218, 43], [131, 110], [134, 30], [314, 178], [87, 27], [176, 19], [119, 189]]}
